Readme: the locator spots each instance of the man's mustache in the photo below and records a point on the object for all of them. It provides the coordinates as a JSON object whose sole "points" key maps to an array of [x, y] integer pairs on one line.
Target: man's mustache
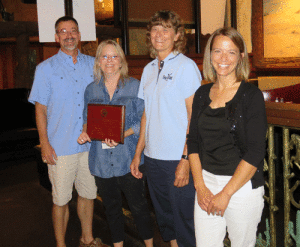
{"points": [[69, 40]]}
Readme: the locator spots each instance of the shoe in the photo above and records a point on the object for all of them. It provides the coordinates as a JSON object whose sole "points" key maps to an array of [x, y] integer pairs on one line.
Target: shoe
{"points": [[95, 243]]}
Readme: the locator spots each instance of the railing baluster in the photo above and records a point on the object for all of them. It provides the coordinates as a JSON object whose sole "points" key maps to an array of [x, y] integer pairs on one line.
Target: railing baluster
{"points": [[271, 171], [286, 185]]}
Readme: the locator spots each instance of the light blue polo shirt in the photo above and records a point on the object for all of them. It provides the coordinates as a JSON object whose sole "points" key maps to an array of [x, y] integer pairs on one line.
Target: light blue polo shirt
{"points": [[164, 94], [59, 84]]}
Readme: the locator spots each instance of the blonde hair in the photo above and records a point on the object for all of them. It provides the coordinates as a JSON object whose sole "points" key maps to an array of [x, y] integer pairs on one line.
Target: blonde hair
{"points": [[243, 66], [98, 73], [170, 19]]}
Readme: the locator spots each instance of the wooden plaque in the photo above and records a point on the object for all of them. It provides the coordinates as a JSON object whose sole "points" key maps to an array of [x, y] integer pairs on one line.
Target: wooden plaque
{"points": [[106, 121]]}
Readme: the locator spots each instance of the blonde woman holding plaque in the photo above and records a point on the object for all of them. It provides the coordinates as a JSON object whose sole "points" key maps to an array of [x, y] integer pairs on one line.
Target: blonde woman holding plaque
{"points": [[109, 161]]}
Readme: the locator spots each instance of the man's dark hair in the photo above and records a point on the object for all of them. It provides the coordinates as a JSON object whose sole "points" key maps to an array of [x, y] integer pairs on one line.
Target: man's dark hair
{"points": [[63, 19]]}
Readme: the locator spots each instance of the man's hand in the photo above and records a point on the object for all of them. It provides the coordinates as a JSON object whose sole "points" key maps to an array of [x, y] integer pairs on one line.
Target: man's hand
{"points": [[48, 154], [182, 173]]}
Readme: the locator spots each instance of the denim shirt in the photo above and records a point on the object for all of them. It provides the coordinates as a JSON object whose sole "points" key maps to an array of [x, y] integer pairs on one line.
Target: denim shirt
{"points": [[115, 162]]}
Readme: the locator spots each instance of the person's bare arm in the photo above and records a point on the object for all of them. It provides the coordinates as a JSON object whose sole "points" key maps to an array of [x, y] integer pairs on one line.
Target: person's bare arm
{"points": [[182, 173], [204, 195], [48, 153], [243, 173], [134, 167]]}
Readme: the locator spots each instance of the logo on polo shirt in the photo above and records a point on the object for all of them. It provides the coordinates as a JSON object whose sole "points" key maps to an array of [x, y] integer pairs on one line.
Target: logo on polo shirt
{"points": [[169, 77]]}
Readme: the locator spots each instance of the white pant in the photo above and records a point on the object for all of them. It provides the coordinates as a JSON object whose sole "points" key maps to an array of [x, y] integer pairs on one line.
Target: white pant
{"points": [[241, 216]]}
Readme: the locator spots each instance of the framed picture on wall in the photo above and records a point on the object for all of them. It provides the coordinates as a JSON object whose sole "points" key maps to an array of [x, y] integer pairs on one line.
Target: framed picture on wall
{"points": [[276, 33]]}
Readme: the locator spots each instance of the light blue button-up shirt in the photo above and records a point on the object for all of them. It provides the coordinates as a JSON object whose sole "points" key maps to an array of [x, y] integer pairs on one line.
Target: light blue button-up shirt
{"points": [[115, 162], [164, 94], [59, 84]]}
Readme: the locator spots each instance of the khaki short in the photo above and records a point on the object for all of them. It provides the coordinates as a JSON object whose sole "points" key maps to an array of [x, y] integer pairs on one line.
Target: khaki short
{"points": [[70, 170]]}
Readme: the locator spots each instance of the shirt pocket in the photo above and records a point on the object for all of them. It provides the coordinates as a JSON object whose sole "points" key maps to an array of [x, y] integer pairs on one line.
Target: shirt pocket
{"points": [[87, 77], [60, 88], [96, 101]]}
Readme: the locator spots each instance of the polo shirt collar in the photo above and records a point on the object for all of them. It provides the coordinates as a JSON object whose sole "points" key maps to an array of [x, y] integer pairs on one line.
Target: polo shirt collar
{"points": [[171, 56]]}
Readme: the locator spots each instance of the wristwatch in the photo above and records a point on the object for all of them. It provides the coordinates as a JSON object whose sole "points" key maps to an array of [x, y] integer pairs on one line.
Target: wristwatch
{"points": [[185, 157]]}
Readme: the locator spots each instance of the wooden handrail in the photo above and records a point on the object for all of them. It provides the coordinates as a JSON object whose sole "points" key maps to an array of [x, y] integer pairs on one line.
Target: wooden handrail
{"points": [[283, 114]]}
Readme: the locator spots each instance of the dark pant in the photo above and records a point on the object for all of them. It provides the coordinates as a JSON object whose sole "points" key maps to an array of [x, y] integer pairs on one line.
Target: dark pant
{"points": [[174, 207], [110, 190]]}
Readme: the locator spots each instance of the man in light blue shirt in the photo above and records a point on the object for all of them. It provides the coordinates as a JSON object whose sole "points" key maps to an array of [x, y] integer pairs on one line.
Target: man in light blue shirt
{"points": [[58, 93]]}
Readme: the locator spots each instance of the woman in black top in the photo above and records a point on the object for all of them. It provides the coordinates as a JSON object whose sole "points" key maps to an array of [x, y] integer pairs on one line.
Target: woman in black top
{"points": [[226, 145]]}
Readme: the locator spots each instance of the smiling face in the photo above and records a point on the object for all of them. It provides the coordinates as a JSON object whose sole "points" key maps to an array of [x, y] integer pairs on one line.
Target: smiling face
{"points": [[68, 36], [225, 56], [110, 62], [163, 39]]}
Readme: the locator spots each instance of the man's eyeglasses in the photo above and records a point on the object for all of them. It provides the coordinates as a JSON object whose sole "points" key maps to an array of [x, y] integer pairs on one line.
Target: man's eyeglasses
{"points": [[64, 32]]}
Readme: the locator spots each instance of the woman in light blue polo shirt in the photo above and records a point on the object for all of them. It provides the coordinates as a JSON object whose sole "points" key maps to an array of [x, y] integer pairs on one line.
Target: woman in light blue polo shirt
{"points": [[167, 86]]}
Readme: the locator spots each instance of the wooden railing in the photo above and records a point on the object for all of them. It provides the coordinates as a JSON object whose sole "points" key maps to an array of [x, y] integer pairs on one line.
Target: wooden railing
{"points": [[286, 118]]}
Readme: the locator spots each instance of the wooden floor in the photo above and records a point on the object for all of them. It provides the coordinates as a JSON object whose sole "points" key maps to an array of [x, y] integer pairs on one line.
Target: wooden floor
{"points": [[25, 212]]}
